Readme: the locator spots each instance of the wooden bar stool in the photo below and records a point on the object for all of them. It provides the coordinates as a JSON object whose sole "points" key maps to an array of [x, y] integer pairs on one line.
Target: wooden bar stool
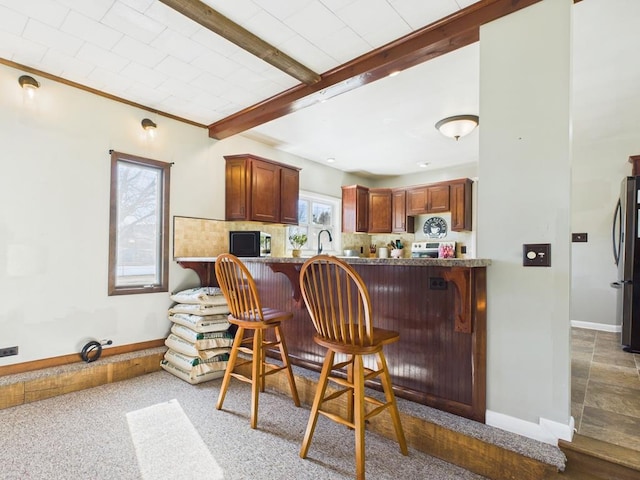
{"points": [[340, 308], [247, 314]]}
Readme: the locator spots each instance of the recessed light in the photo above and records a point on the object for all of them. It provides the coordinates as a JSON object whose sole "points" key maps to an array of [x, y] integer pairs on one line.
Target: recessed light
{"points": [[423, 164], [331, 160]]}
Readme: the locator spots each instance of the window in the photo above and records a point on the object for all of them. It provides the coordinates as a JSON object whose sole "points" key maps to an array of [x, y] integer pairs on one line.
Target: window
{"points": [[138, 225], [316, 213]]}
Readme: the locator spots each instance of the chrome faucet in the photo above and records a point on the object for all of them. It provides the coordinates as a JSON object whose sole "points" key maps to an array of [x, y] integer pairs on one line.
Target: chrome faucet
{"points": [[320, 243]]}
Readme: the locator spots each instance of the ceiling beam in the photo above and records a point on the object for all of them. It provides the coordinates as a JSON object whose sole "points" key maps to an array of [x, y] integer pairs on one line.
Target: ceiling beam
{"points": [[446, 35], [216, 22]]}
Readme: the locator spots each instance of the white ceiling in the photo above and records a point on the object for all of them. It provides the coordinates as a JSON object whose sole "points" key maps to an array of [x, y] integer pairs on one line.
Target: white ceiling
{"points": [[145, 52]]}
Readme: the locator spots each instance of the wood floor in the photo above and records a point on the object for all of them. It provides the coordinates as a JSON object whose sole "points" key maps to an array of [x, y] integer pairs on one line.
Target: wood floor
{"points": [[605, 388]]}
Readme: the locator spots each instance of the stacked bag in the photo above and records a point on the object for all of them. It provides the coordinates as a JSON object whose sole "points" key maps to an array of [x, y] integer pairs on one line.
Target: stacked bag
{"points": [[200, 339]]}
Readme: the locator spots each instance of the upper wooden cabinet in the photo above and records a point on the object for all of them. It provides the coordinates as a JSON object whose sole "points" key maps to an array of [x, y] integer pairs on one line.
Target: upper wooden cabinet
{"points": [[379, 210], [400, 221], [460, 204], [427, 199], [260, 190], [438, 199], [355, 209]]}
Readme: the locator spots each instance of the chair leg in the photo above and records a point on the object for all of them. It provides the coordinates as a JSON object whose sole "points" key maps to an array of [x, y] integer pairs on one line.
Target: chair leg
{"points": [[359, 413], [285, 361], [233, 356], [391, 399], [350, 394], [317, 401], [257, 379]]}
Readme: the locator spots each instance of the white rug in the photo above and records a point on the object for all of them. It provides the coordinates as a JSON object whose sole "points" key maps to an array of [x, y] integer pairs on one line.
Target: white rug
{"points": [[168, 446]]}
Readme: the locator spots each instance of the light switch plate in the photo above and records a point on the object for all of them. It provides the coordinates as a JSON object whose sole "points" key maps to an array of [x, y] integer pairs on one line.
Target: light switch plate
{"points": [[536, 255]]}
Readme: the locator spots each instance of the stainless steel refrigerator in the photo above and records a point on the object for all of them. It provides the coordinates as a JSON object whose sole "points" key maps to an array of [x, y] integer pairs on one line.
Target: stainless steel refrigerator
{"points": [[626, 253]]}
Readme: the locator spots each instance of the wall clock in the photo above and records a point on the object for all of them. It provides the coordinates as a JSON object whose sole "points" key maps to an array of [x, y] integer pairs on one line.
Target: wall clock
{"points": [[435, 227]]}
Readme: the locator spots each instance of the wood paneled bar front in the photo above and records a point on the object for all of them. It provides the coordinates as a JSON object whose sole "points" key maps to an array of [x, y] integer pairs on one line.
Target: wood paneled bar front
{"points": [[437, 305]]}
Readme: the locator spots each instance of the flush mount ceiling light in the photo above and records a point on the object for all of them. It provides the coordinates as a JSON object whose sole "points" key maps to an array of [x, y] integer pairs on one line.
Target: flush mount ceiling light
{"points": [[148, 124], [26, 81], [457, 126]]}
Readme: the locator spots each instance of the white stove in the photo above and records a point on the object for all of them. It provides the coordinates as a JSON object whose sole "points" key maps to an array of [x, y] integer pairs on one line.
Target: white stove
{"points": [[433, 249]]}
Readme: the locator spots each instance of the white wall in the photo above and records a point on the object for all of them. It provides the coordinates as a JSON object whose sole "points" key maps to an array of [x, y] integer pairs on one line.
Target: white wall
{"points": [[54, 221], [524, 197]]}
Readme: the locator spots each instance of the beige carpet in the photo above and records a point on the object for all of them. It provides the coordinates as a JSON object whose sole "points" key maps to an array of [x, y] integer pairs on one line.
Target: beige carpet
{"points": [[106, 433]]}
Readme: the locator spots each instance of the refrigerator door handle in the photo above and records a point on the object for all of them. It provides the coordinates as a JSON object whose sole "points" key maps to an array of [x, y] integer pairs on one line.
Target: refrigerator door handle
{"points": [[617, 221], [620, 283]]}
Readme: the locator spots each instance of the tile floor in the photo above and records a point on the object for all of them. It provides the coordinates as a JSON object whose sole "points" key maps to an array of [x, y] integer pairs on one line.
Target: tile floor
{"points": [[605, 388]]}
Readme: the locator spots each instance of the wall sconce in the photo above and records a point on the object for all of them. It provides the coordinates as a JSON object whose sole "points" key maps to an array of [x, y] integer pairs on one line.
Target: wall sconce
{"points": [[148, 124], [29, 85], [457, 126]]}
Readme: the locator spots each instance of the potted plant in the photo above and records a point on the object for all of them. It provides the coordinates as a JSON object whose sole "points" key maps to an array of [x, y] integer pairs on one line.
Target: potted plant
{"points": [[297, 240]]}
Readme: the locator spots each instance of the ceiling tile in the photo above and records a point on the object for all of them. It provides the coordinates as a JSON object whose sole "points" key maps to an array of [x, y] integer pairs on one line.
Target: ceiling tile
{"points": [[283, 8], [95, 9], [178, 46], [101, 57], [107, 81], [176, 68], [50, 13], [379, 25], [417, 13], [144, 75], [308, 54], [51, 37], [21, 50], [12, 21], [314, 22], [343, 45], [269, 28], [216, 64], [237, 11], [90, 30], [73, 69], [133, 23], [168, 16], [137, 51]]}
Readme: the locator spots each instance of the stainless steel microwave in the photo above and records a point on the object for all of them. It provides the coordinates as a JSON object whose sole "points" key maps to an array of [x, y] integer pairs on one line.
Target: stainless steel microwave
{"points": [[249, 243]]}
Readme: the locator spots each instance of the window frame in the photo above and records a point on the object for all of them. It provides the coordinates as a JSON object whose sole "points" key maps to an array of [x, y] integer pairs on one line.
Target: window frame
{"points": [[311, 248], [163, 241]]}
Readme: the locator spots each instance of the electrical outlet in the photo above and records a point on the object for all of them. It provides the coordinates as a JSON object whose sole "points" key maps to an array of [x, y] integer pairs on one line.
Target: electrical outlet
{"points": [[536, 255], [437, 283], [8, 351], [578, 237]]}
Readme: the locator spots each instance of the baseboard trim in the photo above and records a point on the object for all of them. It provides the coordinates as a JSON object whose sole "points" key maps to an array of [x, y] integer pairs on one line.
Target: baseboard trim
{"points": [[603, 327], [547, 431], [75, 357]]}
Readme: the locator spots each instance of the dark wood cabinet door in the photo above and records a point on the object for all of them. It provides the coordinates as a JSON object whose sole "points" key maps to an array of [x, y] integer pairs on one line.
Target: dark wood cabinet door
{"points": [[265, 192], [236, 175], [289, 193], [400, 222], [438, 199], [416, 200], [379, 210], [461, 206], [355, 208]]}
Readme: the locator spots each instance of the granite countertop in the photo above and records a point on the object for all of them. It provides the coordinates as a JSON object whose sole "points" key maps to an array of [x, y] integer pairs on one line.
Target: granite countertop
{"points": [[421, 262]]}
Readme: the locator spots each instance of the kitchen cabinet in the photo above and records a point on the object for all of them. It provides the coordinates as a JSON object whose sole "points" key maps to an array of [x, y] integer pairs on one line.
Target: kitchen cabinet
{"points": [[427, 199], [257, 189], [400, 222], [438, 199], [355, 208], [379, 210], [460, 198]]}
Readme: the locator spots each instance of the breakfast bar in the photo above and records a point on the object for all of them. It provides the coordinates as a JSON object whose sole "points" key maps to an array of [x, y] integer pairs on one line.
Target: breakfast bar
{"points": [[437, 305]]}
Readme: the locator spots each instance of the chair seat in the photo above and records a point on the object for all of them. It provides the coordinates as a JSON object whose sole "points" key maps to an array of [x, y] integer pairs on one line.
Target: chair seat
{"points": [[271, 317], [381, 337]]}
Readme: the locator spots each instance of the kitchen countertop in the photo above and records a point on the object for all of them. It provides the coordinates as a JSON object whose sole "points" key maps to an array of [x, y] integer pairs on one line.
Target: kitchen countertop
{"points": [[421, 262]]}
